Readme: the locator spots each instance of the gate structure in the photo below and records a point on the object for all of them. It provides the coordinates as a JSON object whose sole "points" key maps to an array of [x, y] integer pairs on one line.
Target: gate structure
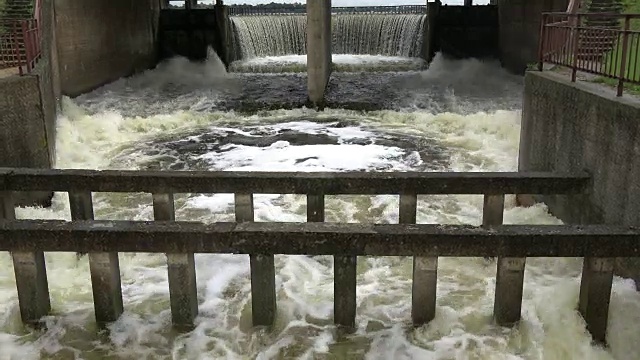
{"points": [[27, 240]]}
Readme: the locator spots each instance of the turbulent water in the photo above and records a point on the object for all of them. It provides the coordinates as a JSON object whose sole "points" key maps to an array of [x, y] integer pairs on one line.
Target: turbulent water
{"points": [[374, 41], [456, 116]]}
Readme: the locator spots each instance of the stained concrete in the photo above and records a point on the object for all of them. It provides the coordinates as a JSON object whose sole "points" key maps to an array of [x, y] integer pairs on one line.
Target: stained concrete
{"points": [[584, 126], [520, 30], [100, 41], [23, 132]]}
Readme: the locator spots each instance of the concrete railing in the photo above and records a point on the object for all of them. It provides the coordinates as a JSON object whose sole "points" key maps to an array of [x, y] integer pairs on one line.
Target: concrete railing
{"points": [[102, 240]]}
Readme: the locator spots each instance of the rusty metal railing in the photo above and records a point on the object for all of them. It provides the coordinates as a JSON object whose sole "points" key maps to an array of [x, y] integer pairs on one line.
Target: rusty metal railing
{"points": [[605, 44], [20, 42]]}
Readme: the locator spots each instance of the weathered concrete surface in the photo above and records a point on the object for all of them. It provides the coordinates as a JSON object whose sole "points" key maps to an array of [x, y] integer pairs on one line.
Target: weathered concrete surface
{"points": [[327, 183], [23, 131], [583, 126], [100, 41], [319, 57], [466, 31], [424, 240], [189, 33], [520, 30]]}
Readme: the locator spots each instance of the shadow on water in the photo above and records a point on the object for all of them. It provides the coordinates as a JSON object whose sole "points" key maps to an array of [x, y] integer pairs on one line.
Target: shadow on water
{"points": [[461, 86]]}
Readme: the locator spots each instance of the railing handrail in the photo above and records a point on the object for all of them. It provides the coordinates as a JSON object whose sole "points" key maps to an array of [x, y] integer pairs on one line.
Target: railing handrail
{"points": [[328, 183], [24, 42], [598, 48], [28, 239], [592, 14], [320, 238]]}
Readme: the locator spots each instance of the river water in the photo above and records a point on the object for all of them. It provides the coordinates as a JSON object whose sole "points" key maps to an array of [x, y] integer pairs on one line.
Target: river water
{"points": [[455, 116]]}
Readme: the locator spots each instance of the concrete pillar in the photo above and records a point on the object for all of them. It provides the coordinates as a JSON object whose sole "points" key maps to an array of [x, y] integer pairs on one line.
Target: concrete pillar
{"points": [[183, 291], [223, 32], [468, 2], [318, 50], [191, 4], [429, 37]]}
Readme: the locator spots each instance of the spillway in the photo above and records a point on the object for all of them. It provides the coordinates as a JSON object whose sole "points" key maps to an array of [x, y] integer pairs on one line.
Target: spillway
{"points": [[278, 42], [455, 116]]}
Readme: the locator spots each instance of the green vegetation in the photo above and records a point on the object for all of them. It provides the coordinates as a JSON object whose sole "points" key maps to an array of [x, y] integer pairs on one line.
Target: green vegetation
{"points": [[613, 60]]}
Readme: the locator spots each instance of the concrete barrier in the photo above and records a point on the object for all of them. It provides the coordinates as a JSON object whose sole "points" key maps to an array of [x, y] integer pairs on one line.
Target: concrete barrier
{"points": [[318, 49], [100, 41], [583, 126], [24, 132]]}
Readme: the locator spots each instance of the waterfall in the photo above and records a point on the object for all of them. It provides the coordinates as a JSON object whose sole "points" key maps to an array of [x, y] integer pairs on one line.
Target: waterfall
{"points": [[271, 35], [378, 34], [367, 34]]}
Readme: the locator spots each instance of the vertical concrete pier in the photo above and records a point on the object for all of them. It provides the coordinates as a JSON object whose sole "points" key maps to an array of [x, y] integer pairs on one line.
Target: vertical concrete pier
{"points": [[318, 50]]}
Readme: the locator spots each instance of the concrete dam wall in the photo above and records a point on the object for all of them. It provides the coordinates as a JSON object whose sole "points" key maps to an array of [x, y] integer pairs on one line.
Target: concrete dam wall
{"points": [[100, 41], [573, 127]]}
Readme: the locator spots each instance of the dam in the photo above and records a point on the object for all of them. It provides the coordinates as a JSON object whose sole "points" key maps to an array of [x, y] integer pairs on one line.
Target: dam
{"points": [[393, 110]]}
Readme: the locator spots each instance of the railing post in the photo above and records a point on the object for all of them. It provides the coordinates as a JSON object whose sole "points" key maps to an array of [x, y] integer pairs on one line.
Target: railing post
{"points": [[510, 271], [30, 272], [344, 282], [263, 282], [595, 294], [542, 44], [104, 267], [625, 55], [181, 268], [425, 270], [576, 44]]}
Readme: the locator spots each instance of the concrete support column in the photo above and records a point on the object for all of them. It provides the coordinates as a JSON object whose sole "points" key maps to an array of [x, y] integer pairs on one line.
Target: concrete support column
{"points": [[224, 33], [318, 50], [191, 4], [468, 2], [429, 47]]}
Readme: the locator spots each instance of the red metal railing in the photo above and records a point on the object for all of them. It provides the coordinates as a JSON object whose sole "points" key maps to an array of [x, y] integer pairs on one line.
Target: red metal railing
{"points": [[20, 42], [605, 44]]}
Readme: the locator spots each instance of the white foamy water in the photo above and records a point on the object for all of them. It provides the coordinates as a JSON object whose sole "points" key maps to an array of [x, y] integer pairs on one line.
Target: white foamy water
{"points": [[341, 62], [551, 328]]}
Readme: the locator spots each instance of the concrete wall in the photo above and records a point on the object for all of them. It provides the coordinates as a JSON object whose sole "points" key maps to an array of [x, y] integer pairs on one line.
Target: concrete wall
{"points": [[100, 41], [319, 58], [23, 132], [580, 126], [520, 30], [189, 33], [467, 31]]}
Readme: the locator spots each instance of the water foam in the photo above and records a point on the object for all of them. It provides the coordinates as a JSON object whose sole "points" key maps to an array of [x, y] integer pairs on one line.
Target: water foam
{"points": [[488, 141]]}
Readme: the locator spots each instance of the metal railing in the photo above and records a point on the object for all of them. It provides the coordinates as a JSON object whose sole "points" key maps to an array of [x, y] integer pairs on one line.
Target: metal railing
{"points": [[399, 9], [27, 240], [606, 44], [21, 43]]}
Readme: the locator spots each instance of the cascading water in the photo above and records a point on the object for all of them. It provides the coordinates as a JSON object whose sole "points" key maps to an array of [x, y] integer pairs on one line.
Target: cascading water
{"points": [[378, 34], [260, 36], [367, 41]]}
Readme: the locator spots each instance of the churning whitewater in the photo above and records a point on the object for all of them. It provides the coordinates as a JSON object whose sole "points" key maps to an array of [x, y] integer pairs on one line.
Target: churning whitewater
{"points": [[458, 116]]}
